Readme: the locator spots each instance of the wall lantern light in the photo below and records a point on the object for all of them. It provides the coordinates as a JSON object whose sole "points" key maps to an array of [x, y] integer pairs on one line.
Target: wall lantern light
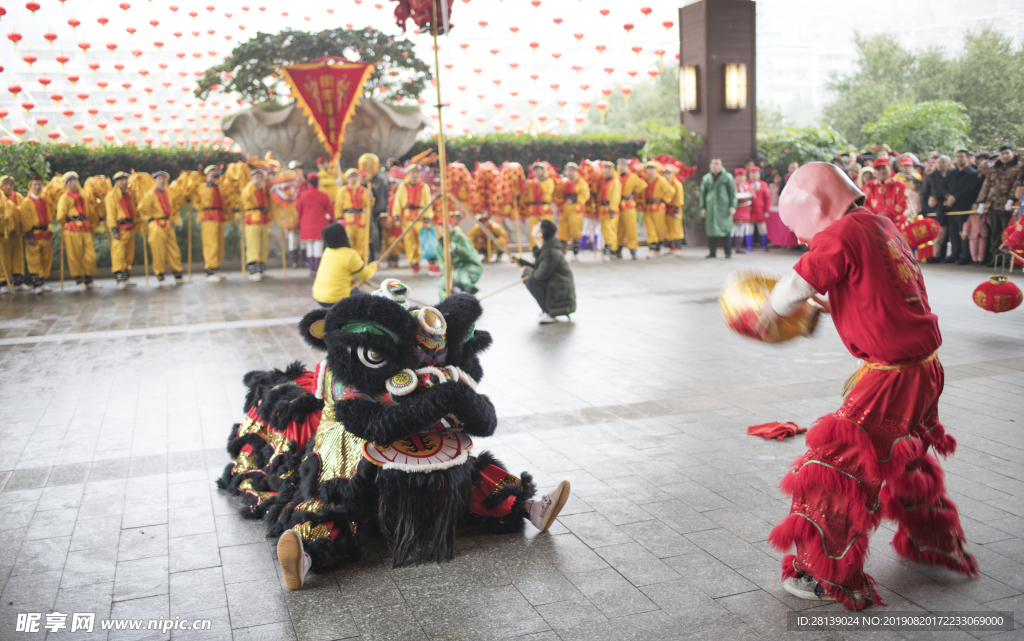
{"points": [[688, 88], [735, 86]]}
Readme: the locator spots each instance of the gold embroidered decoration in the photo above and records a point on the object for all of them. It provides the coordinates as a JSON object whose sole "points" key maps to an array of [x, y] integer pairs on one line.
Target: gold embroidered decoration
{"points": [[246, 486], [307, 531], [313, 505], [279, 441], [244, 462], [339, 450], [508, 478], [251, 426], [287, 474]]}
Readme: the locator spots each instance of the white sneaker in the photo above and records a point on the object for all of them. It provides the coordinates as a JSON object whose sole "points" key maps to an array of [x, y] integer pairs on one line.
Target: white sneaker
{"points": [[606, 258], [295, 563], [121, 286], [39, 290], [45, 288], [547, 319], [212, 278], [164, 283], [4, 289], [130, 283], [93, 285], [806, 587], [544, 510], [575, 258], [257, 277], [23, 288]]}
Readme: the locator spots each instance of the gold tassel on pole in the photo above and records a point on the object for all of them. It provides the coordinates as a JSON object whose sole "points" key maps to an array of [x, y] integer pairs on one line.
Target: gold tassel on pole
{"points": [[62, 260], [145, 252]]}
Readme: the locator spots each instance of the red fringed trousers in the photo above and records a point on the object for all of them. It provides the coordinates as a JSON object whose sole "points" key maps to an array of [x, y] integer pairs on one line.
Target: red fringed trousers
{"points": [[867, 461]]}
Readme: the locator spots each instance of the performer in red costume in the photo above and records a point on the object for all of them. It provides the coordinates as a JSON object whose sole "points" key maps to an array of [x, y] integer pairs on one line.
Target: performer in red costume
{"points": [[870, 459], [885, 195], [756, 215]]}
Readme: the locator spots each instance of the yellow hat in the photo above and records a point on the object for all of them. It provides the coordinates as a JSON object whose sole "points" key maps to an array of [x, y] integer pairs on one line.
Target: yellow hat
{"points": [[350, 173], [369, 163], [68, 176], [4, 179], [210, 168], [119, 175]]}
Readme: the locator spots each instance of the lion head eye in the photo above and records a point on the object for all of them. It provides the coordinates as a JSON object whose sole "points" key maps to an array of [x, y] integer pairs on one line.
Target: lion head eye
{"points": [[371, 357]]}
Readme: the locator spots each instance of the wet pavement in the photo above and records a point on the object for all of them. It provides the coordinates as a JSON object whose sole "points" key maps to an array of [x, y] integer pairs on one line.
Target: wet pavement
{"points": [[115, 408]]}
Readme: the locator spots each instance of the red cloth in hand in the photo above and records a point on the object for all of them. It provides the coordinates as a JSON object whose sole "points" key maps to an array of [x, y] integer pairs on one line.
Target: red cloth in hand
{"points": [[775, 429]]}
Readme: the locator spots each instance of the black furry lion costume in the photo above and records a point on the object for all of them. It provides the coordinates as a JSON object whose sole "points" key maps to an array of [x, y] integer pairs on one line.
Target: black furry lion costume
{"points": [[377, 433]]}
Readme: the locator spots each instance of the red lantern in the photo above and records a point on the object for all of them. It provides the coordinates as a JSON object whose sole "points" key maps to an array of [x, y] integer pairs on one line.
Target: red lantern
{"points": [[628, 27], [14, 37], [84, 46], [646, 11], [74, 22], [668, 24], [514, 29], [32, 6], [103, 20], [78, 126], [557, 20], [53, 134], [604, 12], [998, 294], [41, 120], [29, 59], [637, 49], [600, 48], [62, 59], [49, 36], [921, 231]]}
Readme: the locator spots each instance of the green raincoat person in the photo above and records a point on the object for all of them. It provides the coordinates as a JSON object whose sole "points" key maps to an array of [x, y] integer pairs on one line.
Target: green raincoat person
{"points": [[717, 206], [466, 261]]}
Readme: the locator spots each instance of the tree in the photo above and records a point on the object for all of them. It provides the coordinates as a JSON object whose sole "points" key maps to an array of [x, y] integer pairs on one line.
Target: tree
{"points": [[23, 161], [656, 99], [937, 124], [253, 67], [987, 78], [801, 145], [883, 76]]}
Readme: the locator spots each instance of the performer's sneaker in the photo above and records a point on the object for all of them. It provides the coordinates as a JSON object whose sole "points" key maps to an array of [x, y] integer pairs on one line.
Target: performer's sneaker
{"points": [[212, 278], [122, 285], [4, 289], [547, 319], [81, 287], [38, 290], [22, 288], [295, 563], [544, 510], [434, 269], [806, 587], [44, 287], [415, 269], [257, 277]]}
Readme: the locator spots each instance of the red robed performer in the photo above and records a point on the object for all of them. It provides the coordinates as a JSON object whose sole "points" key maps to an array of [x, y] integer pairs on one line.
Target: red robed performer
{"points": [[870, 459]]}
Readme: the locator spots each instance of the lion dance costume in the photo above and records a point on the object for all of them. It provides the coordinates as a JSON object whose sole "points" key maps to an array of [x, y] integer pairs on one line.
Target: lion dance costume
{"points": [[377, 436], [870, 459]]}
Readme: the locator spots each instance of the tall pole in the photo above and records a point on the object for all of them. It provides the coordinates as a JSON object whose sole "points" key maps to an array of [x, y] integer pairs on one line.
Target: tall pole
{"points": [[449, 272], [190, 230]]}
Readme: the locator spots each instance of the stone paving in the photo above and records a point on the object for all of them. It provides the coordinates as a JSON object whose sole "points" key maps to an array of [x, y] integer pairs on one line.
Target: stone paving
{"points": [[115, 408]]}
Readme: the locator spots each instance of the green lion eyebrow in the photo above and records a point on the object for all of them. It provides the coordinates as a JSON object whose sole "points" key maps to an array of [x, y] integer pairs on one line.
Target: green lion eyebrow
{"points": [[369, 327], [471, 333]]}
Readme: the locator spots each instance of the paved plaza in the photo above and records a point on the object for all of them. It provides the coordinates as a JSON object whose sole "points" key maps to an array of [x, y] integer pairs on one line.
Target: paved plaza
{"points": [[115, 408]]}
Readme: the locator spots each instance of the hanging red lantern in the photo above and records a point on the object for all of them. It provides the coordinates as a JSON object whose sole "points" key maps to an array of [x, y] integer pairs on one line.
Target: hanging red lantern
{"points": [[577, 68], [131, 31], [535, 3], [668, 24], [94, 66], [609, 71], [637, 49], [68, 113], [112, 46], [653, 73], [604, 12], [119, 67], [483, 24], [78, 126], [921, 232], [73, 79], [584, 87], [19, 130], [14, 37], [628, 27], [997, 294], [32, 6], [534, 45], [56, 97], [62, 59], [28, 106], [49, 36], [83, 96], [84, 46], [14, 89], [600, 48], [514, 65], [646, 11], [557, 20], [578, 36], [53, 134], [41, 120], [43, 80], [103, 20], [29, 59], [514, 29]]}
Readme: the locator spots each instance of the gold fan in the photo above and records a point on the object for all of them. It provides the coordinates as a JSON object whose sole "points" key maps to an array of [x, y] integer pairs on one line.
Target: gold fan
{"points": [[743, 297]]}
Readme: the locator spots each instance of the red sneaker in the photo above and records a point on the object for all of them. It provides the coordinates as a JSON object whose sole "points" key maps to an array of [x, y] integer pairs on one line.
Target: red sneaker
{"points": [[415, 269], [434, 269]]}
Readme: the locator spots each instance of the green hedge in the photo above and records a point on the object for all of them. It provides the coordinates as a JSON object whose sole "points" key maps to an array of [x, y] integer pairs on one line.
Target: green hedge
{"points": [[527, 148], [107, 161]]}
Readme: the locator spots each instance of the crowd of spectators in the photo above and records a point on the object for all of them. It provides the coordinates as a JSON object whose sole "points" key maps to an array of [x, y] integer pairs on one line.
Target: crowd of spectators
{"points": [[973, 195]]}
